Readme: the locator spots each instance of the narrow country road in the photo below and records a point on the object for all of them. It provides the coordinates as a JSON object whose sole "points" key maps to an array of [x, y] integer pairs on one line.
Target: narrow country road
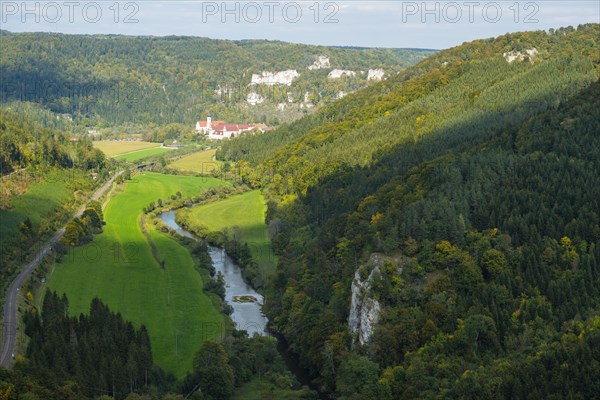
{"points": [[9, 332]]}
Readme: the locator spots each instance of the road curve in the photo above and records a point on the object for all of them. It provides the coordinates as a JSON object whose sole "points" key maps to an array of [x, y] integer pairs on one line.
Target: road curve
{"points": [[9, 328]]}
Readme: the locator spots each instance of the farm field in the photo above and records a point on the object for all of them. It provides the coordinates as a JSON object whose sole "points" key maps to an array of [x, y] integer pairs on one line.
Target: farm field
{"points": [[115, 147], [139, 154], [118, 267], [203, 162], [247, 211]]}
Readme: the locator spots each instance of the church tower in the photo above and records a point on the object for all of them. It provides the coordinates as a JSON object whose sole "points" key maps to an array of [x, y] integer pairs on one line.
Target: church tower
{"points": [[208, 123]]}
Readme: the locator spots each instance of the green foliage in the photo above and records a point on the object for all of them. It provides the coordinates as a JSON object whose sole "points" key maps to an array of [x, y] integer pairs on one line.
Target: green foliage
{"points": [[476, 94], [76, 232], [479, 179], [240, 361], [92, 219], [113, 80], [119, 267], [211, 364], [357, 379], [24, 142], [241, 221], [84, 352]]}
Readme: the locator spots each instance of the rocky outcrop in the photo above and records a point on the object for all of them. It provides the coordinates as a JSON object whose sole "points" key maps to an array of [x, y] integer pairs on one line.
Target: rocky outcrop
{"points": [[320, 63], [254, 98], [364, 310], [338, 73], [375, 74], [511, 56], [275, 78]]}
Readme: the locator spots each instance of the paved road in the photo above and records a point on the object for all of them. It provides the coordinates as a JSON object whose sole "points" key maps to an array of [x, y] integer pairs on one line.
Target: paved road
{"points": [[9, 333]]}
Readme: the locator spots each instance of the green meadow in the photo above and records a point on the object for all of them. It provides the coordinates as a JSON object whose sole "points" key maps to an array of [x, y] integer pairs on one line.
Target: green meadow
{"points": [[246, 211], [202, 162], [139, 154], [118, 267], [45, 196]]}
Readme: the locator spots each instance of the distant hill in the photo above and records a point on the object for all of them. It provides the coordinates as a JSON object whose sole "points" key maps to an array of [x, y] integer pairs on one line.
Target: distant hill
{"points": [[438, 233], [113, 79]]}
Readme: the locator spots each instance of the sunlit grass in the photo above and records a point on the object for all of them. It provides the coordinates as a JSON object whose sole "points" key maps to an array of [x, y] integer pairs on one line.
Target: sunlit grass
{"points": [[203, 162], [119, 268], [137, 155], [114, 147], [246, 211]]}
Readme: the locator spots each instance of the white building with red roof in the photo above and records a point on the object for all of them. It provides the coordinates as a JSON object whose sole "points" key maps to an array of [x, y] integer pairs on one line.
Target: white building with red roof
{"points": [[222, 130]]}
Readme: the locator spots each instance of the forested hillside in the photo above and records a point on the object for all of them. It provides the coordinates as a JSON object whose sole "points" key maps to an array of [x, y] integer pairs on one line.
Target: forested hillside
{"points": [[28, 139], [463, 195], [44, 175], [107, 80]]}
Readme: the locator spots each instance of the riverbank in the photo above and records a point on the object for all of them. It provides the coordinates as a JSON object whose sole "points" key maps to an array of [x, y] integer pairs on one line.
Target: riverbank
{"points": [[246, 315], [236, 223]]}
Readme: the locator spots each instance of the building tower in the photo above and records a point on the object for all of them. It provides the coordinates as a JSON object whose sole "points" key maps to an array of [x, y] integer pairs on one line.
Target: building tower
{"points": [[208, 123]]}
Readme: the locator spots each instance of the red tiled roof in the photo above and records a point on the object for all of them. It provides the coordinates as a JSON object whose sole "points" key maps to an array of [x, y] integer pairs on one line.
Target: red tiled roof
{"points": [[221, 128]]}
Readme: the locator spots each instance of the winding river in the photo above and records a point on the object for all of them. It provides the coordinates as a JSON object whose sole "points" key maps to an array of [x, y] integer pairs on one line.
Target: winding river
{"points": [[246, 315]]}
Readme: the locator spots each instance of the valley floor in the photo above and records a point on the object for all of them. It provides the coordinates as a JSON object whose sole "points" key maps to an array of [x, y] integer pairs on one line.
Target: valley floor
{"points": [[246, 211], [118, 267]]}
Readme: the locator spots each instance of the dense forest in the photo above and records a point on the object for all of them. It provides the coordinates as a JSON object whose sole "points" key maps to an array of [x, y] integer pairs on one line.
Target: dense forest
{"points": [[108, 80], [463, 195], [100, 352]]}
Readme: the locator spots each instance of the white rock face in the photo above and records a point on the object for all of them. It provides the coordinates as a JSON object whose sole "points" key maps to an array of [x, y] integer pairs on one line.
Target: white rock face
{"points": [[512, 56], [281, 106], [320, 63], [338, 73], [254, 98], [275, 78], [364, 310], [306, 94], [341, 94], [375, 74]]}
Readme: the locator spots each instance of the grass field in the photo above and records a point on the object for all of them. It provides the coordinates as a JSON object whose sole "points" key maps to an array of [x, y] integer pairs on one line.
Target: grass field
{"points": [[247, 211], [115, 147], [139, 154], [41, 200], [203, 162], [119, 268]]}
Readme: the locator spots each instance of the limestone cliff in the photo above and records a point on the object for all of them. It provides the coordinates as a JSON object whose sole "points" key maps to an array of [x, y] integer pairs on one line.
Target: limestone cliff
{"points": [[364, 310]]}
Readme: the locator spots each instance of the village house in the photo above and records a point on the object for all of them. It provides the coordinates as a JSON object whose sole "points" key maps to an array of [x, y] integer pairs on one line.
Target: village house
{"points": [[222, 130]]}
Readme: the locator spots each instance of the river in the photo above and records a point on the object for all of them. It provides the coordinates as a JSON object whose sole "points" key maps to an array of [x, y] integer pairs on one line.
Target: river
{"points": [[246, 315]]}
